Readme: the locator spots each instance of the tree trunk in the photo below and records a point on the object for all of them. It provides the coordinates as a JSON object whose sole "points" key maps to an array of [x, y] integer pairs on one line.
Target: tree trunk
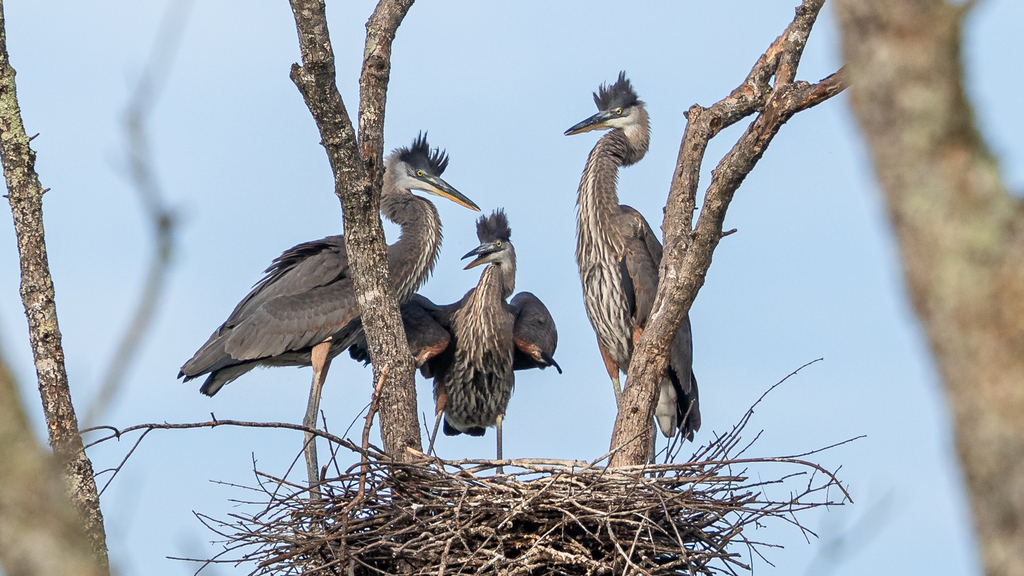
{"points": [[358, 179], [962, 242], [26, 198]]}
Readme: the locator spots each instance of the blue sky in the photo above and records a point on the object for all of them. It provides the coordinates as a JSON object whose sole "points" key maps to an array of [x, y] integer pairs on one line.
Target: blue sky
{"points": [[813, 271]]}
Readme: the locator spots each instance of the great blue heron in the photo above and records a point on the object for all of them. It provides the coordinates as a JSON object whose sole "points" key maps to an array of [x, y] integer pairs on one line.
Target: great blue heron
{"points": [[618, 256], [304, 311], [471, 348]]}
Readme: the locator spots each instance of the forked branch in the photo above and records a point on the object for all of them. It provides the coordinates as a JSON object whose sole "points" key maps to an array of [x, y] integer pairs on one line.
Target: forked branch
{"points": [[688, 250], [358, 178]]}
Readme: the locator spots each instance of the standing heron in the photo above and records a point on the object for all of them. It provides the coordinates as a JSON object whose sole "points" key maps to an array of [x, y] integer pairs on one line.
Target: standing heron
{"points": [[618, 256], [472, 347], [304, 310]]}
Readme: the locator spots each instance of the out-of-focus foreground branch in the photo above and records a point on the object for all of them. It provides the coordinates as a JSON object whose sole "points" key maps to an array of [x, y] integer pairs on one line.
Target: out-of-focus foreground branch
{"points": [[25, 195], [162, 220], [358, 178], [962, 242], [40, 534], [688, 251]]}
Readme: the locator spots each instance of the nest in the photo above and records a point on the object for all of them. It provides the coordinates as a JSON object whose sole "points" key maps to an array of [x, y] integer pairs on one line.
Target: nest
{"points": [[539, 517]]}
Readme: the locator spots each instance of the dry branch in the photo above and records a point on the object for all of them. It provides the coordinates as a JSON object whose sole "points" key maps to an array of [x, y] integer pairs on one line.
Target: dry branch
{"points": [[26, 198], [358, 178], [688, 250]]}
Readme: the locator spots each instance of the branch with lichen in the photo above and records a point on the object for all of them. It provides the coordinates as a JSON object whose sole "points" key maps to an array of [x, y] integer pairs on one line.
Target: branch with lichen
{"points": [[689, 249], [25, 194], [358, 178]]}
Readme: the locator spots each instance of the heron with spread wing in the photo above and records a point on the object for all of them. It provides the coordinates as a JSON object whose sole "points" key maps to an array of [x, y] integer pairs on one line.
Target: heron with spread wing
{"points": [[304, 310], [471, 348], [618, 257]]}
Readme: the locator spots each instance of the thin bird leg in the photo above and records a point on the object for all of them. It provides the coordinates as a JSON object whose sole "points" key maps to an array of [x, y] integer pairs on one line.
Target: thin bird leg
{"points": [[613, 372], [498, 425], [442, 400], [321, 363]]}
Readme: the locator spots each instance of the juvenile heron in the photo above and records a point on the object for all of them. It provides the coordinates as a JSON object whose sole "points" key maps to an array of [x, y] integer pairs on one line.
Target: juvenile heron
{"points": [[471, 348], [618, 256], [304, 311]]}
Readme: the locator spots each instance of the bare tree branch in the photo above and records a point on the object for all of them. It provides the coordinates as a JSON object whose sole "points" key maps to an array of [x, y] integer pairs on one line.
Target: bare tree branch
{"points": [[161, 217], [962, 241], [688, 251], [25, 195], [358, 178]]}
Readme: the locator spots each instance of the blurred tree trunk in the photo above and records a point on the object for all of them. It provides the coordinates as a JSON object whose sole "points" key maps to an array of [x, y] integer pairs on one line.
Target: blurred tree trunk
{"points": [[40, 534], [962, 242]]}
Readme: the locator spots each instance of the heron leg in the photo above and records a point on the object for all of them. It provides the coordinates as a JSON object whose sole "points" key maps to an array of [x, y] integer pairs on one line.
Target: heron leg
{"points": [[442, 399], [613, 372], [321, 363], [498, 425]]}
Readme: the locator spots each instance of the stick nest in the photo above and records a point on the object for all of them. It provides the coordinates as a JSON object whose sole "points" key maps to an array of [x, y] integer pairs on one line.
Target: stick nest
{"points": [[540, 517]]}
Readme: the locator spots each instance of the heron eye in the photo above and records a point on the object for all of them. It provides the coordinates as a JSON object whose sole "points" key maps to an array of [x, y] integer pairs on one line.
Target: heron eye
{"points": [[419, 173], [498, 244], [619, 111]]}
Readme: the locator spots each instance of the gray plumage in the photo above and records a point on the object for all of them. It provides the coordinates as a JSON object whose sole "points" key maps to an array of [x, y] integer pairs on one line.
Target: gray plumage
{"points": [[471, 348], [307, 296], [618, 256]]}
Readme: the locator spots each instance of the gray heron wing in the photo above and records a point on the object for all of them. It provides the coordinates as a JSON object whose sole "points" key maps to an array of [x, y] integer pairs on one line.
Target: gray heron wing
{"points": [[680, 372], [307, 267], [295, 322], [533, 332], [640, 260]]}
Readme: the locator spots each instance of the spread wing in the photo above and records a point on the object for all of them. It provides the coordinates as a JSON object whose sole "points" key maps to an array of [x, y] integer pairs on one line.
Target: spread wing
{"points": [[305, 296], [427, 329], [533, 332]]}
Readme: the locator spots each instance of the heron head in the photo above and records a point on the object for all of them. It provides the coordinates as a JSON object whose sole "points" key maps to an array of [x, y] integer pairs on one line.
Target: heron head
{"points": [[618, 107], [419, 168], [495, 246]]}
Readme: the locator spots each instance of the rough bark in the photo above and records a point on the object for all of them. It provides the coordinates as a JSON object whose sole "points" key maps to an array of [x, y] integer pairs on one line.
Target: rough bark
{"points": [[26, 198], [962, 242], [40, 534], [358, 179], [688, 250]]}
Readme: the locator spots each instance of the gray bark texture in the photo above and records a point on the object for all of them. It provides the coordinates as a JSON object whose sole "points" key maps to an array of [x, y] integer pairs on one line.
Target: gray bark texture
{"points": [[40, 533], [358, 178], [25, 195], [962, 242], [688, 250]]}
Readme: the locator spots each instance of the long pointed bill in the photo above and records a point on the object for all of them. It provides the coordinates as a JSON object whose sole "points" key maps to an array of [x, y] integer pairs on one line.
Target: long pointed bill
{"points": [[482, 253], [595, 122], [435, 185]]}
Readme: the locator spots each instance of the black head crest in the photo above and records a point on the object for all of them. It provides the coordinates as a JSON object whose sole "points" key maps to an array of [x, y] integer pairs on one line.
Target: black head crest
{"points": [[421, 157], [493, 228], [618, 95]]}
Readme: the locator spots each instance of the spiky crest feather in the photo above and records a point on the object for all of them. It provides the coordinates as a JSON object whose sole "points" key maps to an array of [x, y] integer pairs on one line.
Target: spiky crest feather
{"points": [[494, 227], [421, 157], [618, 95]]}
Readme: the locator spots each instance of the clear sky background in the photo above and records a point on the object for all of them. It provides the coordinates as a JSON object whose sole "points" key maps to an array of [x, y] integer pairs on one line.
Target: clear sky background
{"points": [[813, 271]]}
